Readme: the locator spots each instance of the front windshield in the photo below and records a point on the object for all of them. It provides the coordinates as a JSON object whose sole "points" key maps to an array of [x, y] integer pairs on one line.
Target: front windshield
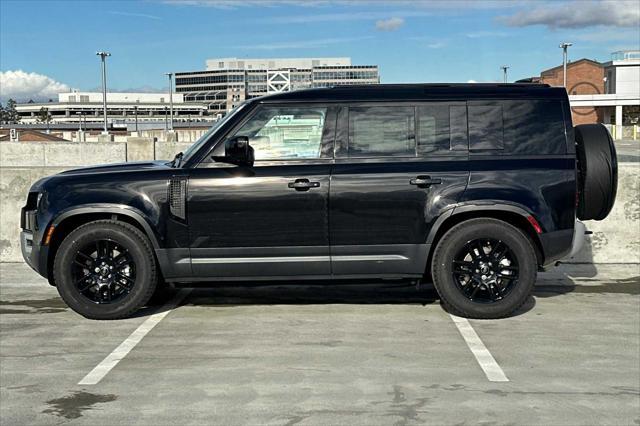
{"points": [[205, 137]]}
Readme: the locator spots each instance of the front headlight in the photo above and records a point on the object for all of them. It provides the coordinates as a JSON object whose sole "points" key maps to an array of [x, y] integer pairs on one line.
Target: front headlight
{"points": [[40, 194]]}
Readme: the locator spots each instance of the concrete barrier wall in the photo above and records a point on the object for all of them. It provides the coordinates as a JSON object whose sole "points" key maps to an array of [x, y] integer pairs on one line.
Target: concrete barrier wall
{"points": [[614, 240]]}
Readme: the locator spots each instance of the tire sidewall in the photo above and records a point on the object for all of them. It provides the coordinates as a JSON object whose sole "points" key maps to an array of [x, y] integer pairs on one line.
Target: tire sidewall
{"points": [[455, 240], [145, 274]]}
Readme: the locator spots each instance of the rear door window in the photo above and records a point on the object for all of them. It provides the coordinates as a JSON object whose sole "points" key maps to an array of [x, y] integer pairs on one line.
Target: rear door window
{"points": [[442, 128], [381, 131], [486, 126]]}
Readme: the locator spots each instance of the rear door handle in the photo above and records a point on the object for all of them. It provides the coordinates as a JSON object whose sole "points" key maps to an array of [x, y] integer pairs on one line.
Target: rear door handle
{"points": [[303, 185], [425, 181]]}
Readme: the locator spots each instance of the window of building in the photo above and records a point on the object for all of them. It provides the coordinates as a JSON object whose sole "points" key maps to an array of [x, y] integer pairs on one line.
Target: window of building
{"points": [[381, 131], [221, 64], [486, 127], [281, 133], [84, 98], [72, 98]]}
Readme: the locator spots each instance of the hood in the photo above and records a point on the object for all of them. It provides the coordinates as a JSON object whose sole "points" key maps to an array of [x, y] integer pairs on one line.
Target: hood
{"points": [[119, 167]]}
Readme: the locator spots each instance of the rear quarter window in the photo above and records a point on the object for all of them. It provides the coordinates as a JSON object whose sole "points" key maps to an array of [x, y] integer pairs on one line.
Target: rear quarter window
{"points": [[534, 127], [486, 126]]}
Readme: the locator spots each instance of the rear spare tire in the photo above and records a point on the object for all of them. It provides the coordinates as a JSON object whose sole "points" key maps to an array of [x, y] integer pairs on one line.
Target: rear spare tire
{"points": [[597, 171]]}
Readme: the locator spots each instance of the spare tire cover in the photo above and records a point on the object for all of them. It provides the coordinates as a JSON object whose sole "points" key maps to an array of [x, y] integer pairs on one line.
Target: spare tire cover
{"points": [[598, 171]]}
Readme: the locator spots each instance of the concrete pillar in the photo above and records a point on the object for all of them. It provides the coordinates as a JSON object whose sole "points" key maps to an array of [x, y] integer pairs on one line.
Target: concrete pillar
{"points": [[618, 121], [105, 137], [171, 136], [140, 149]]}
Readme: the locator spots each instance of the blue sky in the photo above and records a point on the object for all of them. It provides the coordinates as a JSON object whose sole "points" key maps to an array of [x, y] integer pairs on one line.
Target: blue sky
{"points": [[50, 45]]}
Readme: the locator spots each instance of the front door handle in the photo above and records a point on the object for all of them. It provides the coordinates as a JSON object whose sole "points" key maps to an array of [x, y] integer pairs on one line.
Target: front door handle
{"points": [[303, 185], [425, 181]]}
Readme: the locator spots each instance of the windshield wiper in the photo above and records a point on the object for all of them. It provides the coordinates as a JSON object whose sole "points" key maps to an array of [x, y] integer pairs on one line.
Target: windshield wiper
{"points": [[177, 160]]}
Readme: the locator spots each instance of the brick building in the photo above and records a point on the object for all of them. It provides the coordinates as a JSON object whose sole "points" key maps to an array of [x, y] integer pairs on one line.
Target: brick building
{"points": [[584, 77]]}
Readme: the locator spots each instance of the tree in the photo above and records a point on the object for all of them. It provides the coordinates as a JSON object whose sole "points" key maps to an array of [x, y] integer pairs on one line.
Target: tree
{"points": [[10, 114], [2, 114], [44, 116]]}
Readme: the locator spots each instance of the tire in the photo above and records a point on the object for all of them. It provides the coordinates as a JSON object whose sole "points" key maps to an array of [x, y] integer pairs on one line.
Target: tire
{"points": [[598, 171], [511, 271], [115, 288]]}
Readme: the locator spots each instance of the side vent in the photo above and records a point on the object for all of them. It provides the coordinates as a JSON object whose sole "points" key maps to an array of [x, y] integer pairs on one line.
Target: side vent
{"points": [[177, 195]]}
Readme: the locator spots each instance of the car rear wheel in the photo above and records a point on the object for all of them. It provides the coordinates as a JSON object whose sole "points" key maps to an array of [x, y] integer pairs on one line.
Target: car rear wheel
{"points": [[105, 270], [484, 268]]}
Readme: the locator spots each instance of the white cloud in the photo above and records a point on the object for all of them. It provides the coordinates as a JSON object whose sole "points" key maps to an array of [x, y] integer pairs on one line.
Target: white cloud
{"points": [[345, 16], [135, 15], [22, 86], [578, 14], [486, 34], [302, 44], [427, 4], [390, 24], [436, 45]]}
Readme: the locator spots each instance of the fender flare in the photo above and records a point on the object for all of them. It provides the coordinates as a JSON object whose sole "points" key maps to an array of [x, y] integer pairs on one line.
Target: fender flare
{"points": [[113, 209], [475, 207]]}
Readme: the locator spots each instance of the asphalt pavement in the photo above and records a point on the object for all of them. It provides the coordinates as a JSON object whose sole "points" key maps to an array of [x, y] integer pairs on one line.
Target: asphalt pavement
{"points": [[374, 354]]}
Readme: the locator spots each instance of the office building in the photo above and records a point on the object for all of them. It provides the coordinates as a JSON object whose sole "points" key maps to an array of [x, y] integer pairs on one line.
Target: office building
{"points": [[228, 81]]}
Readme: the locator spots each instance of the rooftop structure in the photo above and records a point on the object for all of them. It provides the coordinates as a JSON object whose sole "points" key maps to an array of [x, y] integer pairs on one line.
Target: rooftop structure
{"points": [[228, 81], [122, 108]]}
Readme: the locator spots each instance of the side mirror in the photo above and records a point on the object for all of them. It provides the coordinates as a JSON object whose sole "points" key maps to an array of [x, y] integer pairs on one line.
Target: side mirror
{"points": [[237, 151]]}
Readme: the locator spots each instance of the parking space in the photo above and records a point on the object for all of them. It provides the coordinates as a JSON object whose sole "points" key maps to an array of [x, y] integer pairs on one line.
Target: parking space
{"points": [[341, 354]]}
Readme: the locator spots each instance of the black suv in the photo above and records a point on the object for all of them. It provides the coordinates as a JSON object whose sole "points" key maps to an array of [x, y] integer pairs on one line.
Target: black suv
{"points": [[471, 187]]}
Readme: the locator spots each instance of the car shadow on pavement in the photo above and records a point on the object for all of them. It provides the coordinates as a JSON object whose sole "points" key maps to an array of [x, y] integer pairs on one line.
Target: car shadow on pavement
{"points": [[317, 293]]}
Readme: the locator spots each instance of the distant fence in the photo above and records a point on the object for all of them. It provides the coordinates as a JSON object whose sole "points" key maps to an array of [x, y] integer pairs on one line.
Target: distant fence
{"points": [[614, 240], [628, 132]]}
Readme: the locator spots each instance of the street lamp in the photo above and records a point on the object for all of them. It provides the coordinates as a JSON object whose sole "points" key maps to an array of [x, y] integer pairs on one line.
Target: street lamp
{"points": [[504, 69], [135, 114], [170, 75], [564, 46], [165, 119], [103, 57]]}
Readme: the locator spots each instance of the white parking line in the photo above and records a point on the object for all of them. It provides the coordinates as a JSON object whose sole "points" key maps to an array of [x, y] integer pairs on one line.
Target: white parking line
{"points": [[130, 342], [488, 364]]}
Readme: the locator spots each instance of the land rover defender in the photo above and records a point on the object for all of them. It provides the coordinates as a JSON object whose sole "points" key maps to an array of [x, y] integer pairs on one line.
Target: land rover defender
{"points": [[472, 187]]}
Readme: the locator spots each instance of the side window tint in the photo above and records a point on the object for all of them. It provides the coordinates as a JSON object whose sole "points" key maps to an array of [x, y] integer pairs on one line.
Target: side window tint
{"points": [[281, 133], [381, 132], [486, 128], [442, 128], [433, 125], [458, 124], [534, 127]]}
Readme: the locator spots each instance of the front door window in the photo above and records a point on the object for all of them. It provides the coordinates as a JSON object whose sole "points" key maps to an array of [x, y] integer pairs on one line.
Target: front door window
{"points": [[285, 133]]}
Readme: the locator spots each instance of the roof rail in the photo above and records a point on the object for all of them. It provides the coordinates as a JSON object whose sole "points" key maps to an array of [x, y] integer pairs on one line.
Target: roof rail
{"points": [[434, 85]]}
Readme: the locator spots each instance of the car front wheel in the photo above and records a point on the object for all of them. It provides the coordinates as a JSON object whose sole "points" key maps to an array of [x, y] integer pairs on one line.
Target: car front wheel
{"points": [[105, 270]]}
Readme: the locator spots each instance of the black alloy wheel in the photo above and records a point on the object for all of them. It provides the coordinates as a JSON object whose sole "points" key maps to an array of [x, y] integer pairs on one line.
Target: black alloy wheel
{"points": [[485, 270], [103, 271]]}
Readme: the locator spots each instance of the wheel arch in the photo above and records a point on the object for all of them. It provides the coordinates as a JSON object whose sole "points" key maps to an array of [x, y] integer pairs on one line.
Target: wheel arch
{"points": [[69, 220], [513, 215]]}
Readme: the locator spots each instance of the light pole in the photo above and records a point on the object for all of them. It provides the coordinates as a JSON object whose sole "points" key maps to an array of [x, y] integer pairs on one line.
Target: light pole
{"points": [[135, 114], [170, 75], [165, 119], [504, 69], [564, 46], [103, 57]]}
